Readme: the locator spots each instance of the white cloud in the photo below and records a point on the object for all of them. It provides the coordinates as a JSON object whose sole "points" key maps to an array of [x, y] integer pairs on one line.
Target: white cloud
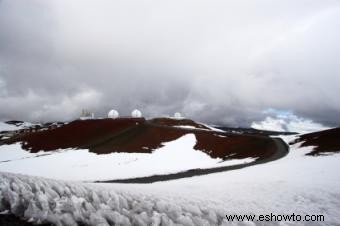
{"points": [[218, 61], [269, 124], [3, 90], [288, 123], [48, 107]]}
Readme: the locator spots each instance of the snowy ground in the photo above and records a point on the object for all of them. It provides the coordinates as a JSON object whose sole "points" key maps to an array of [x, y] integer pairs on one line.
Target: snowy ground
{"points": [[295, 184], [9, 127], [176, 156]]}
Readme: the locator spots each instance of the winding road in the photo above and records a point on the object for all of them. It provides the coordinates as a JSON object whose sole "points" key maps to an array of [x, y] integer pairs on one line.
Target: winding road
{"points": [[282, 151]]}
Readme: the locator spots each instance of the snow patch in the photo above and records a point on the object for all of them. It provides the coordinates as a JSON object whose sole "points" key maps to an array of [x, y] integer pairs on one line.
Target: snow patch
{"points": [[175, 156], [189, 127], [219, 135], [9, 127], [212, 128]]}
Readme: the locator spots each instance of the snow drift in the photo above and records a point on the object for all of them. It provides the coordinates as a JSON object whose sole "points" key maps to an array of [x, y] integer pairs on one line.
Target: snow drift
{"points": [[64, 203]]}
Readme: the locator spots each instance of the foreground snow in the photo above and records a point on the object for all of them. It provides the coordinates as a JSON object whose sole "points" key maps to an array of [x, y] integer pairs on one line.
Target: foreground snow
{"points": [[65, 203], [175, 156], [295, 184]]}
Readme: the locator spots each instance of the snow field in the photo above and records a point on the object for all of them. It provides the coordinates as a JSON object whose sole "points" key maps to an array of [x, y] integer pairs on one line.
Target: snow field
{"points": [[176, 156], [294, 184]]}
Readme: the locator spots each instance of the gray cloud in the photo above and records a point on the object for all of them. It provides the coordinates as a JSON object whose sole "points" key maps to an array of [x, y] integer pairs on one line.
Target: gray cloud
{"points": [[214, 61]]}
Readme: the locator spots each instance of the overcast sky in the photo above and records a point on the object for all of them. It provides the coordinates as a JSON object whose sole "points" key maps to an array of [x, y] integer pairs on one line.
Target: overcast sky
{"points": [[225, 61]]}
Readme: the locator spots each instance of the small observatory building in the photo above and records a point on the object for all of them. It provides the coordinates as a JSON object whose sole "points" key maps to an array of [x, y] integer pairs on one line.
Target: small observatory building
{"points": [[136, 113], [113, 114]]}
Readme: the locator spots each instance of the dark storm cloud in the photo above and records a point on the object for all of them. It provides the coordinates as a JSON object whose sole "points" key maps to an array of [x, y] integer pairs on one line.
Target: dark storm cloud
{"points": [[215, 61]]}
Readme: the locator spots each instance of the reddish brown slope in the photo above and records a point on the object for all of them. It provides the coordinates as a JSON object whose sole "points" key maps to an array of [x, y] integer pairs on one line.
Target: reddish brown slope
{"points": [[235, 146], [324, 141], [142, 139], [76, 134], [137, 135], [148, 137]]}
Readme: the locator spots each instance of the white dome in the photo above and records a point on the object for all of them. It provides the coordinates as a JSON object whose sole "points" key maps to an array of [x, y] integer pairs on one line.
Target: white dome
{"points": [[113, 114], [136, 113], [177, 115]]}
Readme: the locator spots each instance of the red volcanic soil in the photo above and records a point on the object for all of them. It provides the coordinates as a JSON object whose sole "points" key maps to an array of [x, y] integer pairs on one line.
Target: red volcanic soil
{"points": [[76, 134], [324, 141], [148, 137], [235, 146], [137, 135]]}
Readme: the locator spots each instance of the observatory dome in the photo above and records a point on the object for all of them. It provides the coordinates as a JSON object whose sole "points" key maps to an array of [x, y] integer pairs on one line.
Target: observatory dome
{"points": [[177, 115], [136, 113], [113, 114]]}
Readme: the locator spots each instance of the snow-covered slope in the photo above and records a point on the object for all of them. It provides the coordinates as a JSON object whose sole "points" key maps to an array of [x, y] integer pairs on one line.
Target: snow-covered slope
{"points": [[295, 184], [175, 156], [11, 127], [7, 127]]}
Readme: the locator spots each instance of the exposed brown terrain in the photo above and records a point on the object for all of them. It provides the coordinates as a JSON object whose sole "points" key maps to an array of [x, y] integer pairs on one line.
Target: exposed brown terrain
{"points": [[326, 141], [76, 134], [137, 135]]}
